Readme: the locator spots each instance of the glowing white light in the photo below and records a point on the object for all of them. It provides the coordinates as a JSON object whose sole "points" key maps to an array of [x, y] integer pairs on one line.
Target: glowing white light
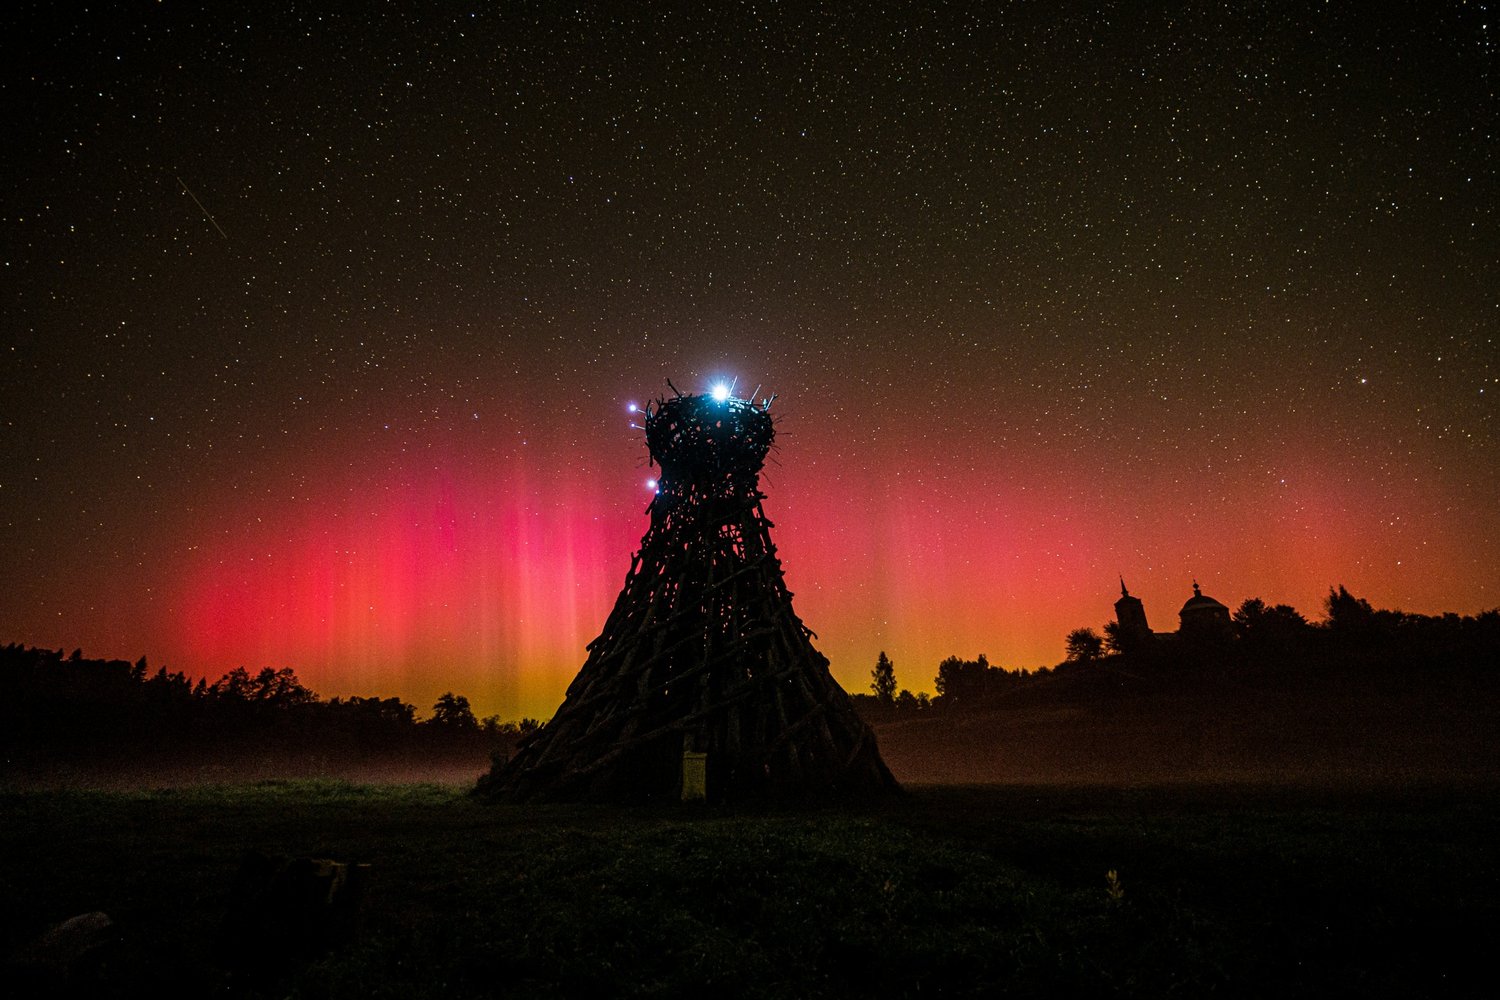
{"points": [[650, 484], [721, 392], [631, 407]]}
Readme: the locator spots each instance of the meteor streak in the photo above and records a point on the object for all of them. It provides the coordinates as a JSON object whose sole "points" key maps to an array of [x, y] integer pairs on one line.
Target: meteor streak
{"points": [[210, 218]]}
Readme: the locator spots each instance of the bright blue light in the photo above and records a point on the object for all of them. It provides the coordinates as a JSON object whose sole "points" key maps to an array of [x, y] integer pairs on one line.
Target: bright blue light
{"points": [[631, 407], [720, 392]]}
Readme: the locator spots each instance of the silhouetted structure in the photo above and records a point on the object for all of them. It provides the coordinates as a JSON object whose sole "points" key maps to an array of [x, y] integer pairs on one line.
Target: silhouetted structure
{"points": [[1201, 617], [702, 653], [1130, 614]]}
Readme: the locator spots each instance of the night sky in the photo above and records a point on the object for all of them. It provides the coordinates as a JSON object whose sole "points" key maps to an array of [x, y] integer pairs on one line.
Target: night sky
{"points": [[320, 327]]}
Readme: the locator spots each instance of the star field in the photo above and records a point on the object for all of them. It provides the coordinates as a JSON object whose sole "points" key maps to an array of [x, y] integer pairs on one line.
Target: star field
{"points": [[321, 326]]}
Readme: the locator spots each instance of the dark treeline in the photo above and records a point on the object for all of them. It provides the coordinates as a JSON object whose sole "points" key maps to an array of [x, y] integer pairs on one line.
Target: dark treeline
{"points": [[58, 710], [1353, 639], [960, 685]]}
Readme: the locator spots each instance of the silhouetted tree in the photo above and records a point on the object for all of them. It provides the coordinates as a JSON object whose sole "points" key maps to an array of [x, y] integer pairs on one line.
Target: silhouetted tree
{"points": [[1083, 645], [883, 680], [1347, 612], [966, 682], [1251, 610], [1276, 629], [233, 686], [373, 721], [168, 688], [452, 712], [960, 681], [970, 682], [280, 688], [908, 702]]}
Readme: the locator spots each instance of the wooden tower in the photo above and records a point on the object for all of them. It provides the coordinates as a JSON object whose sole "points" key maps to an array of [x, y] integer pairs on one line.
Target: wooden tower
{"points": [[702, 670]]}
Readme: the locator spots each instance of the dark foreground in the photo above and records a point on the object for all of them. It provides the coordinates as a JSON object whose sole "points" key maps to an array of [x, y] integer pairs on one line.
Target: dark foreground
{"points": [[954, 891]]}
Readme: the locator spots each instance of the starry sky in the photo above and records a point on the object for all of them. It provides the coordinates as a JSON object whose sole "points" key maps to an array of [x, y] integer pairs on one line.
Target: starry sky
{"points": [[321, 321]]}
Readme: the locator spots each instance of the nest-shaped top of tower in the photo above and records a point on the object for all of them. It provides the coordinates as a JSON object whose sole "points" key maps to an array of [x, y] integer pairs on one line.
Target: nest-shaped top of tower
{"points": [[699, 437]]}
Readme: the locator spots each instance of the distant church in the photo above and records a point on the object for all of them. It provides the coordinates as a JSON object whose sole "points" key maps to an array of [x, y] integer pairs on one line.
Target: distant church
{"points": [[1201, 616]]}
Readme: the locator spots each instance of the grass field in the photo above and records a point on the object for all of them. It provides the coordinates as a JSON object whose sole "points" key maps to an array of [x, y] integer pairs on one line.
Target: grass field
{"points": [[952, 891]]}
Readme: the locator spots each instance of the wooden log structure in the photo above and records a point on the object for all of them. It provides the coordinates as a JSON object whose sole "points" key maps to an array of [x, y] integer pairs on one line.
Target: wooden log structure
{"points": [[702, 653]]}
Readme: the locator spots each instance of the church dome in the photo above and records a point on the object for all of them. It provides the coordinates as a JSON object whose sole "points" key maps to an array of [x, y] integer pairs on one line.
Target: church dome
{"points": [[1200, 602]]}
